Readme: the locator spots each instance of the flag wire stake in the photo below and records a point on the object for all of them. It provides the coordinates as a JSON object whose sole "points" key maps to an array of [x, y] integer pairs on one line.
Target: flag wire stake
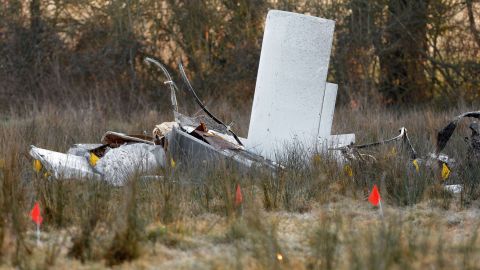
{"points": [[38, 234]]}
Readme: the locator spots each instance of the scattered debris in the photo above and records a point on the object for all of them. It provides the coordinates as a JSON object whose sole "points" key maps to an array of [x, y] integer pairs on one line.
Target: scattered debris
{"points": [[199, 102], [444, 135], [351, 151], [113, 162], [474, 146], [455, 189], [121, 163], [188, 140], [62, 166], [436, 161], [293, 104]]}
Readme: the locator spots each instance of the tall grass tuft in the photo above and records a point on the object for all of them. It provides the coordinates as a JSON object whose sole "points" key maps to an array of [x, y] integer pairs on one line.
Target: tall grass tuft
{"points": [[13, 200], [312, 213], [325, 243], [92, 209], [125, 245]]}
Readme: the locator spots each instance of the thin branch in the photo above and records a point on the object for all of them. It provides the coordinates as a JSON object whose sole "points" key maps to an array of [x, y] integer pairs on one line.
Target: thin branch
{"points": [[471, 19]]}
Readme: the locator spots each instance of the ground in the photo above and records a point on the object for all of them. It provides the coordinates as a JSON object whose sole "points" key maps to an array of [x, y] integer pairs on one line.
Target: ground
{"points": [[310, 216], [414, 237]]}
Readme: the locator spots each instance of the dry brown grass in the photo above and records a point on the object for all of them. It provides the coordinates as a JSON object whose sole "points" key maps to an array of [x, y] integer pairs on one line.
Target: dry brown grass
{"points": [[311, 216]]}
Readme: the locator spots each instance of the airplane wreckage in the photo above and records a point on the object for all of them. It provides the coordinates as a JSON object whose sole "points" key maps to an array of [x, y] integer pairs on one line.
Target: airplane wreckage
{"points": [[291, 88]]}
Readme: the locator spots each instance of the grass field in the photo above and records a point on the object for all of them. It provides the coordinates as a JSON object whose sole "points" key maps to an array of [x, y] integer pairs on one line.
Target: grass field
{"points": [[309, 216]]}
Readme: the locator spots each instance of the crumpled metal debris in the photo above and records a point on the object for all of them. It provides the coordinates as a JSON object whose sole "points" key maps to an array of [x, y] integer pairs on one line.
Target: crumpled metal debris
{"points": [[200, 139], [473, 152], [434, 160], [84, 149], [63, 166], [111, 161], [196, 140], [194, 152], [445, 133], [119, 157], [115, 139], [455, 189], [351, 152], [121, 163]]}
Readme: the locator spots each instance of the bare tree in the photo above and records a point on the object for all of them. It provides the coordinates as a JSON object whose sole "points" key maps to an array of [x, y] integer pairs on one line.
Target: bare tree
{"points": [[402, 52], [471, 18]]}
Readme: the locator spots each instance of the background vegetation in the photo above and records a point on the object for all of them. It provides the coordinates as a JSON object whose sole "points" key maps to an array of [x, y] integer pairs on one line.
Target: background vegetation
{"points": [[71, 70], [312, 215], [386, 51]]}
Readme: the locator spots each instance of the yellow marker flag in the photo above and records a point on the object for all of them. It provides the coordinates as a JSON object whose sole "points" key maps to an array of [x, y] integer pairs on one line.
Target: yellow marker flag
{"points": [[348, 170], [37, 165], [393, 152], [415, 163], [317, 159], [445, 171], [172, 163], [93, 159]]}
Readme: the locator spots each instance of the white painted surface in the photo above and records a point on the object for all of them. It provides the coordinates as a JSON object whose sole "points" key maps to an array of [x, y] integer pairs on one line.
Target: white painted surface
{"points": [[121, 163], [455, 189], [328, 109], [334, 141], [340, 140], [63, 166], [291, 82]]}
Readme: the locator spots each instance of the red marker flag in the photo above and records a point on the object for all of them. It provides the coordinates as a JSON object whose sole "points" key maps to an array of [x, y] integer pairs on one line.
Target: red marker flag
{"points": [[238, 196], [35, 214], [374, 197]]}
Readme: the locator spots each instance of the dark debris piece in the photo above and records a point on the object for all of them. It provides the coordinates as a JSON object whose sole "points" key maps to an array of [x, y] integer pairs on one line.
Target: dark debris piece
{"points": [[444, 135]]}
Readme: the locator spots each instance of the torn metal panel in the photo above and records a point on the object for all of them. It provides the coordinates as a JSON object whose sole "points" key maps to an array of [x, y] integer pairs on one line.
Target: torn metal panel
{"points": [[196, 153], [64, 166], [115, 139], [114, 165], [455, 189], [83, 149], [473, 152], [204, 108], [214, 139], [190, 122], [121, 163], [184, 147], [445, 133]]}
